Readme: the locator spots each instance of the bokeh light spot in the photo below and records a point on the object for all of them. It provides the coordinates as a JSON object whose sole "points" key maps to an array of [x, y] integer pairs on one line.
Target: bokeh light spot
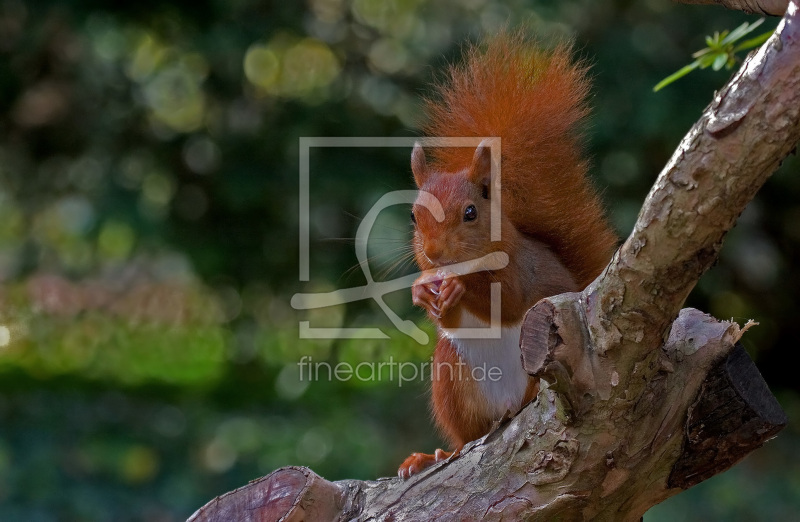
{"points": [[176, 99], [289, 384], [5, 336], [308, 65], [146, 58], [157, 189], [115, 240], [201, 155], [328, 10], [219, 456], [388, 55], [315, 445], [262, 67], [297, 69], [139, 464]]}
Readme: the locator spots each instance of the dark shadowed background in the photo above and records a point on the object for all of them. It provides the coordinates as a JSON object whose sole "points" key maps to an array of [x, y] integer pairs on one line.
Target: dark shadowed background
{"points": [[149, 163]]}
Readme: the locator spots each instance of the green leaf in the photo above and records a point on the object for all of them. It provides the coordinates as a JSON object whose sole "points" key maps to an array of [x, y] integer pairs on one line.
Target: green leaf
{"points": [[701, 52], [709, 59], [741, 31], [676, 75], [753, 42], [720, 51], [736, 33]]}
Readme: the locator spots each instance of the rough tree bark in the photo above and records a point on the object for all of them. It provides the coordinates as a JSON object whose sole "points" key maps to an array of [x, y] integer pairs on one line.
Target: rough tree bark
{"points": [[767, 7], [640, 399]]}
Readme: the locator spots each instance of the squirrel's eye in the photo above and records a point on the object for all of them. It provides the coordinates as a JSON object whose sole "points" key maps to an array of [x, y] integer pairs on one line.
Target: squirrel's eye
{"points": [[471, 213], [413, 218]]}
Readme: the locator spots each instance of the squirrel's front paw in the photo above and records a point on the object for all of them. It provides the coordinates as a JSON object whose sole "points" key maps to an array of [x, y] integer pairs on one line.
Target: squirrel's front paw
{"points": [[450, 293], [425, 294]]}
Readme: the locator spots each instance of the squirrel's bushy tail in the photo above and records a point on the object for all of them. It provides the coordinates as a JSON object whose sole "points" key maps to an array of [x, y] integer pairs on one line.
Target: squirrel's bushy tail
{"points": [[534, 100]]}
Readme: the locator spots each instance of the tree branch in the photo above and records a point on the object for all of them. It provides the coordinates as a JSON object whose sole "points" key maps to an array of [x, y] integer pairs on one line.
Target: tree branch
{"points": [[638, 400], [739, 141], [735, 408], [766, 7]]}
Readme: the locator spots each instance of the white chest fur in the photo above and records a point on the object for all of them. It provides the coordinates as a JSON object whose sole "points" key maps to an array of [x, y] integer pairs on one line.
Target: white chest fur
{"points": [[499, 367]]}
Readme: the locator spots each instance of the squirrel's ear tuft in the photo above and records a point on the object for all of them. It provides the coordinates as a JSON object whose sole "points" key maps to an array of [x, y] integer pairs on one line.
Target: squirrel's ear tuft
{"points": [[418, 165], [481, 170]]}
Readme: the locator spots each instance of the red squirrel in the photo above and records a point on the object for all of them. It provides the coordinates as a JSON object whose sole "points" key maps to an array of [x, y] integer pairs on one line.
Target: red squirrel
{"points": [[552, 223]]}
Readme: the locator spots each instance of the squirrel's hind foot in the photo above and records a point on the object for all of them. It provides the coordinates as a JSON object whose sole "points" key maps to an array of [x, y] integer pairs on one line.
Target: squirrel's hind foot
{"points": [[417, 462]]}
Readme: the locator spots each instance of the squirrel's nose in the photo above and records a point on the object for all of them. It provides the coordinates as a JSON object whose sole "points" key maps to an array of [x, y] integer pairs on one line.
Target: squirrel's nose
{"points": [[433, 252]]}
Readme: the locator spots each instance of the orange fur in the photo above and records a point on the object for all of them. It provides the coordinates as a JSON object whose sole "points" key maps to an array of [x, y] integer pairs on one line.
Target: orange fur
{"points": [[459, 407], [552, 223], [533, 100]]}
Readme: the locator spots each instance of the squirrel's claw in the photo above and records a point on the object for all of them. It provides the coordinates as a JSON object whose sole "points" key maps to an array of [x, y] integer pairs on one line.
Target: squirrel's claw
{"points": [[437, 296], [451, 291], [426, 294], [416, 462]]}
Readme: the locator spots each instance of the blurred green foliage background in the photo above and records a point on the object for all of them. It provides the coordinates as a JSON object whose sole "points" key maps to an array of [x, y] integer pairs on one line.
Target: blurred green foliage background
{"points": [[148, 237]]}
